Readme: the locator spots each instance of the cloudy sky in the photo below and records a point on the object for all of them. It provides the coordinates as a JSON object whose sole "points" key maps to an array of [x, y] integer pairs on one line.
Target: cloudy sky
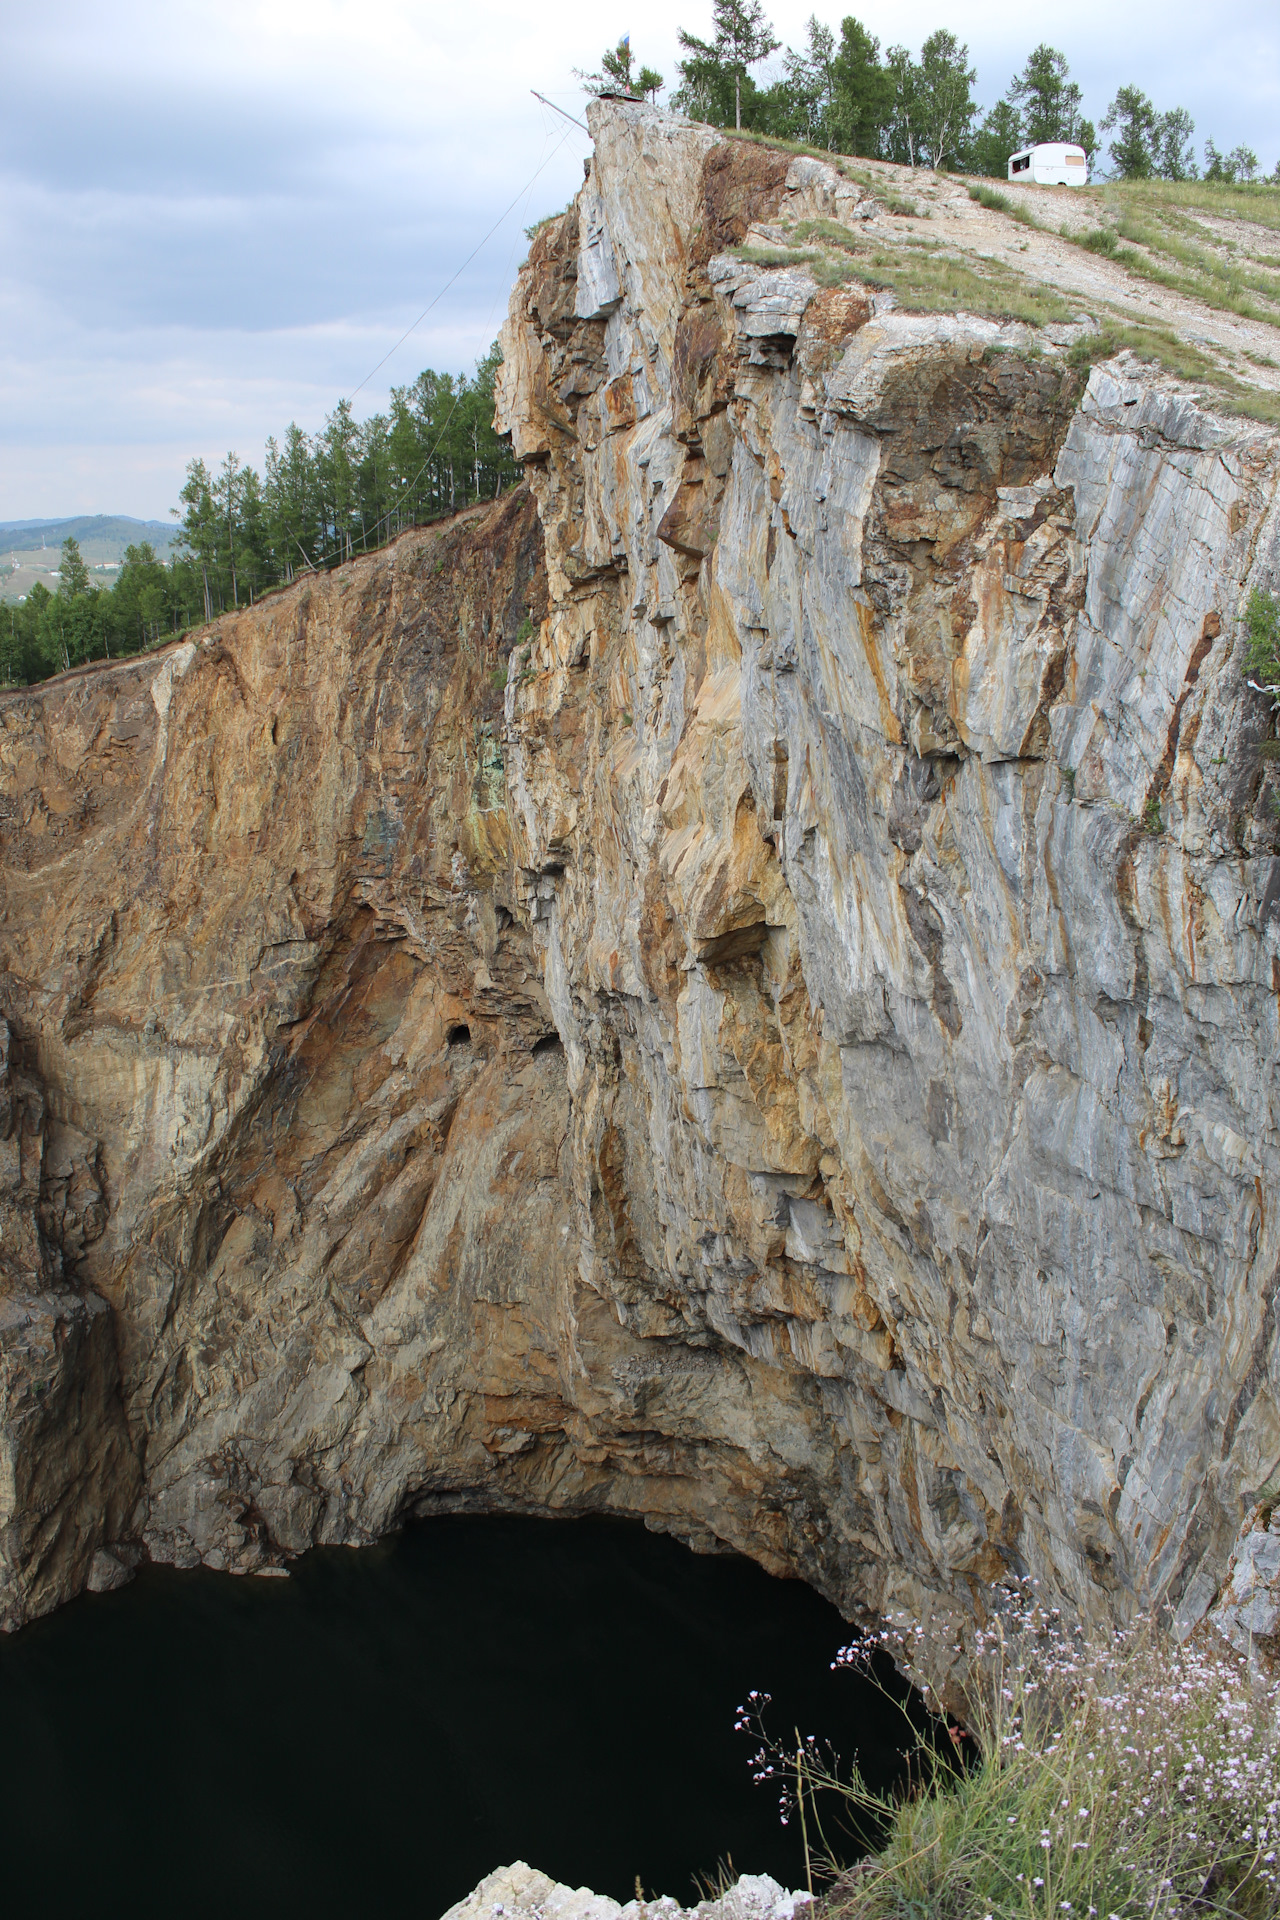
{"points": [[218, 218]]}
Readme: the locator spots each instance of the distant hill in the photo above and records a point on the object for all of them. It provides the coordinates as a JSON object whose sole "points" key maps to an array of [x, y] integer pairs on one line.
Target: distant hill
{"points": [[30, 550], [107, 533]]}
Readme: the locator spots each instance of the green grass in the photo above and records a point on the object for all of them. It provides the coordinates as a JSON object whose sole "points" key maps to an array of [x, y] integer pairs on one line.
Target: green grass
{"points": [[842, 163], [1189, 242], [1122, 1777], [1158, 346], [1150, 233], [1165, 248], [1262, 656], [831, 233], [1259, 204], [531, 233], [783, 146], [904, 209], [776, 256], [925, 278], [1205, 275], [1001, 203]]}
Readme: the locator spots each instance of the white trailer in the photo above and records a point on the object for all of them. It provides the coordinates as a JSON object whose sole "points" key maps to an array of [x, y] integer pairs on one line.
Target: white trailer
{"points": [[1051, 164]]}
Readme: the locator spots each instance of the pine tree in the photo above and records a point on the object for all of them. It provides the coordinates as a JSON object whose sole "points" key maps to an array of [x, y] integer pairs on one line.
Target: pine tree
{"points": [[862, 92], [616, 73], [743, 37], [73, 574], [999, 136], [1047, 100], [198, 528], [1240, 164], [1135, 123], [228, 491]]}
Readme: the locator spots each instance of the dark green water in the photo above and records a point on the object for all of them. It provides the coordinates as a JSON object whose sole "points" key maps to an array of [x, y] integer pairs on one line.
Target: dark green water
{"points": [[376, 1733]]}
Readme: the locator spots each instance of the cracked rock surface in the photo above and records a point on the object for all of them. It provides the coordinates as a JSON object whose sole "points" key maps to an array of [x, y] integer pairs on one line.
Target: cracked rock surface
{"points": [[795, 1063], [913, 882]]}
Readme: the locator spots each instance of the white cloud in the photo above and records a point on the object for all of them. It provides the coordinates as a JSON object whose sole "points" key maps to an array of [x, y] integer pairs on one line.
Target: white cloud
{"points": [[216, 218]]}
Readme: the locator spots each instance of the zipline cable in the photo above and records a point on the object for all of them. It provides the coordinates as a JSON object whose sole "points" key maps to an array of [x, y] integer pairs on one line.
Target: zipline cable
{"points": [[560, 110], [384, 519], [466, 263]]}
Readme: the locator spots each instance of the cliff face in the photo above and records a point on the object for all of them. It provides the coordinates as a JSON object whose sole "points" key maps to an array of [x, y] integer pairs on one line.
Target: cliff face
{"points": [[288, 1248], [289, 1127], [802, 1073], [908, 881]]}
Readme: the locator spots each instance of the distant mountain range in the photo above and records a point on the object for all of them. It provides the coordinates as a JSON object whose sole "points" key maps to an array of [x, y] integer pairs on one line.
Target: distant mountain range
{"points": [[108, 534]]}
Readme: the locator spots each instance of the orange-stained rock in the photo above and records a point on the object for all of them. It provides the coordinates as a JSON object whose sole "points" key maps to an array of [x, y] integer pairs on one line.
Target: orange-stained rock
{"points": [[289, 1245]]}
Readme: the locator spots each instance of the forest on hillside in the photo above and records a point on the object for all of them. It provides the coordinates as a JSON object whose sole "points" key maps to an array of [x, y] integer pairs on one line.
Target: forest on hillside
{"points": [[320, 498]]}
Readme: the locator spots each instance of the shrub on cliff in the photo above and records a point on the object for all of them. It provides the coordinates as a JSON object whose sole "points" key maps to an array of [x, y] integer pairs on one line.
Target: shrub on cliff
{"points": [[1262, 651], [1113, 1778]]}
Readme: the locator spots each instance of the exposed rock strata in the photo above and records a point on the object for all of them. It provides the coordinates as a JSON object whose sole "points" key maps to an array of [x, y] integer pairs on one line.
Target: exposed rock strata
{"points": [[913, 935], [1247, 1612], [802, 1073], [289, 1238]]}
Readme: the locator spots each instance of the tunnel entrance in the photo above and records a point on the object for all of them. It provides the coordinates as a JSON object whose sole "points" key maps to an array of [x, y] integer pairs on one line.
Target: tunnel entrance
{"points": [[381, 1730]]}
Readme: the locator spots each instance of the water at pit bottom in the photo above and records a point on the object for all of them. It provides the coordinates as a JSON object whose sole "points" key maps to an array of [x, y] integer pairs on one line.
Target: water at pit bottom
{"points": [[376, 1733]]}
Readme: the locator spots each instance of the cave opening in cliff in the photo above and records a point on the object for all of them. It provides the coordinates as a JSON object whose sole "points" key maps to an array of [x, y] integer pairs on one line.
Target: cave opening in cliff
{"points": [[390, 1724]]}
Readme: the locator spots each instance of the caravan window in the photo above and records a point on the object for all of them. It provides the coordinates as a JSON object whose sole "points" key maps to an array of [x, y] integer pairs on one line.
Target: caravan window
{"points": [[1021, 164]]}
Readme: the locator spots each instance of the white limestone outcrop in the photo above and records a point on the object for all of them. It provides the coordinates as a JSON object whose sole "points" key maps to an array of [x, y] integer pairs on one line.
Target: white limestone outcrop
{"points": [[519, 1892]]}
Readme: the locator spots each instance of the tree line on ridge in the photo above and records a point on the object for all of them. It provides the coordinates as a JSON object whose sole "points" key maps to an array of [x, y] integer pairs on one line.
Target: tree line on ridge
{"points": [[321, 498], [841, 93]]}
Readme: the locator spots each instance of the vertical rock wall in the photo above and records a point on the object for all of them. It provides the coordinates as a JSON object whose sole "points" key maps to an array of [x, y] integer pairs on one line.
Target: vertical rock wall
{"points": [[904, 868], [288, 1250]]}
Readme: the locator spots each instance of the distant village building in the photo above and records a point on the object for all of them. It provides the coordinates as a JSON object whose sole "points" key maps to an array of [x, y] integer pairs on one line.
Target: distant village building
{"points": [[1051, 164]]}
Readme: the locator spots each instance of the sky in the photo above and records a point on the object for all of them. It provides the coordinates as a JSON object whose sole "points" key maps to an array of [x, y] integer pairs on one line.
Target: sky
{"points": [[217, 218]]}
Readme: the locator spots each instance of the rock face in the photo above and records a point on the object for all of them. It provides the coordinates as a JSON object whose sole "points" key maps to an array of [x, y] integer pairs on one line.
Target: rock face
{"points": [[913, 883], [800, 1070], [279, 1065], [1247, 1613]]}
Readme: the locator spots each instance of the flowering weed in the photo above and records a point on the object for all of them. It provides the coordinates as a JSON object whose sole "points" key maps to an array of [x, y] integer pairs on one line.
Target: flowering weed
{"points": [[1106, 1779]]}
